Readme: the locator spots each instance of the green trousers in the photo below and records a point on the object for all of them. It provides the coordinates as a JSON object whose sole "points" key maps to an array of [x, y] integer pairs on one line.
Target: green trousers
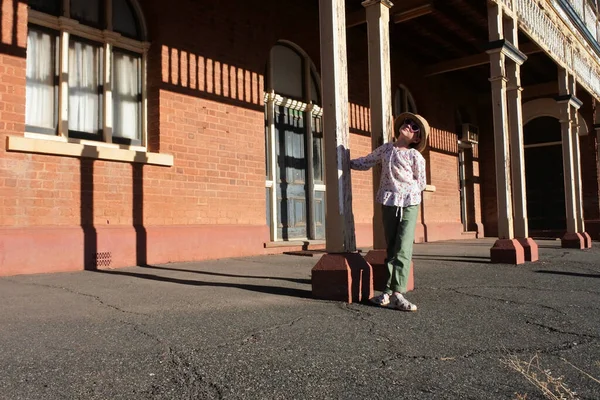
{"points": [[399, 227]]}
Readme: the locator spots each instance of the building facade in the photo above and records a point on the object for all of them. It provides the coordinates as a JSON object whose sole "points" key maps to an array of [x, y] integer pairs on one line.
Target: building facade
{"points": [[138, 133]]}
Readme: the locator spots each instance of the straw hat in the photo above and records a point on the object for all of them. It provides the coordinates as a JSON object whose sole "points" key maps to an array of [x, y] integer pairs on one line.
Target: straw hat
{"points": [[422, 122]]}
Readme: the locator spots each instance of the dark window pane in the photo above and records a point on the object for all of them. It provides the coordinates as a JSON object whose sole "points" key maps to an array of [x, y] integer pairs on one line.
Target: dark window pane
{"points": [[47, 6], [315, 95], [317, 149], [542, 130], [89, 12], [124, 19], [287, 72]]}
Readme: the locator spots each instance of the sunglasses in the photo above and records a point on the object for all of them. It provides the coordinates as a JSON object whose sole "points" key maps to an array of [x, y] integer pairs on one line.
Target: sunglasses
{"points": [[412, 125]]}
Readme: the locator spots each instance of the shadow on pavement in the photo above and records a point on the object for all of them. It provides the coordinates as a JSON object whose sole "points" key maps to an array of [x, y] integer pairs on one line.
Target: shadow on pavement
{"points": [[300, 281], [449, 258], [283, 291], [539, 271]]}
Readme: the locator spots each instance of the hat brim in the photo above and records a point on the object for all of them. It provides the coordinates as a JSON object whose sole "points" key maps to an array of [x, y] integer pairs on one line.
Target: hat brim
{"points": [[423, 124]]}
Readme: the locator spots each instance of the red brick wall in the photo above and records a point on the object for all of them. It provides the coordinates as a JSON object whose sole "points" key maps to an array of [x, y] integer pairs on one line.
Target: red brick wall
{"points": [[206, 71], [17, 194]]}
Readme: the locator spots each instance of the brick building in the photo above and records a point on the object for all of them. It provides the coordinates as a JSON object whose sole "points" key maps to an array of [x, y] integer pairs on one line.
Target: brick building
{"points": [[138, 132]]}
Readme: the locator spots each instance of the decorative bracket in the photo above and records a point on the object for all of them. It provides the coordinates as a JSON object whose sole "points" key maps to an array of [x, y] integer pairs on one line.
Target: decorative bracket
{"points": [[386, 3], [508, 49], [569, 99]]}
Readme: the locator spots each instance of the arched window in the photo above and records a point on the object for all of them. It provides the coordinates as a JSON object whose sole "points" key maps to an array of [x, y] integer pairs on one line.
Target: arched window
{"points": [[94, 88], [294, 146], [404, 101]]}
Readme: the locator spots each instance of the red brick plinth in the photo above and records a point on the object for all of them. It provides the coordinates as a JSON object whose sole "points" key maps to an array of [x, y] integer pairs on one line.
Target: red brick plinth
{"points": [[530, 248], [572, 241], [380, 271], [507, 251], [342, 277], [587, 240]]}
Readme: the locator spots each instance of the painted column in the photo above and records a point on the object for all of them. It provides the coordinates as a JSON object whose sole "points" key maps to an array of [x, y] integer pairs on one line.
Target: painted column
{"points": [[597, 129], [568, 106], [380, 94], [580, 219], [517, 153], [342, 274], [506, 249], [334, 76]]}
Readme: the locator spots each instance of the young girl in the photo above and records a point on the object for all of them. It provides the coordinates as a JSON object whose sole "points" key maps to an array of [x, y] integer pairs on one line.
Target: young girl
{"points": [[402, 181]]}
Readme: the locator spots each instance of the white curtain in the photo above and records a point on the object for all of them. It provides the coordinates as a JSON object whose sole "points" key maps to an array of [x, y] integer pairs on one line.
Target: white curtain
{"points": [[40, 92], [85, 75], [126, 95]]}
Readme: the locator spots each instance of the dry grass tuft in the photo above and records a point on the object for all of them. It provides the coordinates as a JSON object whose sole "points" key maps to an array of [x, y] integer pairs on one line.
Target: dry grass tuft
{"points": [[551, 387]]}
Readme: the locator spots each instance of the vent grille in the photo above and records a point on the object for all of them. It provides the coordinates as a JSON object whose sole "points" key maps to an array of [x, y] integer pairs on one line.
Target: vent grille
{"points": [[103, 259]]}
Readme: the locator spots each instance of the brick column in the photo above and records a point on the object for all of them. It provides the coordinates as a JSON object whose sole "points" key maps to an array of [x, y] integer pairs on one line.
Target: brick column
{"points": [[342, 274], [506, 249]]}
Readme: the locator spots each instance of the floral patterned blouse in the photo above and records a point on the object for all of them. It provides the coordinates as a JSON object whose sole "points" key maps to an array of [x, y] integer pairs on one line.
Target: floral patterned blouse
{"points": [[402, 174]]}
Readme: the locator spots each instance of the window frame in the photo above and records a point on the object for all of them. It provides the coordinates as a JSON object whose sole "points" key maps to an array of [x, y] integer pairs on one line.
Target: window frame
{"points": [[311, 111], [107, 40], [51, 132]]}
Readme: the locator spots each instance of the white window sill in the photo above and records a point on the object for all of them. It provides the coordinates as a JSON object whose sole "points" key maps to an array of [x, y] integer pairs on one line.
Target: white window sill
{"points": [[429, 188], [100, 151]]}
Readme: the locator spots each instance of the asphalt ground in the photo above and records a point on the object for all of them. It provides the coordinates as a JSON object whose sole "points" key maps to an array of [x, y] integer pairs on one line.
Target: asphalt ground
{"points": [[247, 328]]}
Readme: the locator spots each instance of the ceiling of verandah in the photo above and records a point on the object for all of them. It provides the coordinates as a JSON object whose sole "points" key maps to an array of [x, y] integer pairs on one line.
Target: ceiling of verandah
{"points": [[450, 37]]}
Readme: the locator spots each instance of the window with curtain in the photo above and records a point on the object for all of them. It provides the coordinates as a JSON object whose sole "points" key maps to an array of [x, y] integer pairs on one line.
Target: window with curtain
{"points": [[96, 105], [127, 93], [85, 89], [42, 81]]}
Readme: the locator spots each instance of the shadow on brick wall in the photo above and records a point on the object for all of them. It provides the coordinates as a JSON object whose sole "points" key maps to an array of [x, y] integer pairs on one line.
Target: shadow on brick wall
{"points": [[12, 22]]}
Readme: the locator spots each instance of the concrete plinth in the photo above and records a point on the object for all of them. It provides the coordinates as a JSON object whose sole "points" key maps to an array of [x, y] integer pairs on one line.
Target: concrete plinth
{"points": [[530, 249], [587, 240], [380, 271], [507, 251], [342, 277], [572, 241]]}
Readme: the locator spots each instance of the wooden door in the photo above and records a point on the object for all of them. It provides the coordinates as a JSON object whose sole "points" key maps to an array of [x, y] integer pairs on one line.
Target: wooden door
{"points": [[291, 173]]}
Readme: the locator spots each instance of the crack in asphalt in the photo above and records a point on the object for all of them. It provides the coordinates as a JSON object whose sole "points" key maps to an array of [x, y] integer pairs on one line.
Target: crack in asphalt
{"points": [[68, 290], [557, 330], [568, 345], [254, 337], [185, 376], [359, 313], [499, 299], [188, 375]]}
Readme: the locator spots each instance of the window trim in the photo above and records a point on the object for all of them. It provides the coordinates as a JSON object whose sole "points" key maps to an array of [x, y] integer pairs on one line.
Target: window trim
{"points": [[106, 39], [310, 110], [58, 146]]}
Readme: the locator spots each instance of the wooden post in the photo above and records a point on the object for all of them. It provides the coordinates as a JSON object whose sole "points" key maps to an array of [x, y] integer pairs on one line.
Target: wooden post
{"points": [[342, 274]]}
